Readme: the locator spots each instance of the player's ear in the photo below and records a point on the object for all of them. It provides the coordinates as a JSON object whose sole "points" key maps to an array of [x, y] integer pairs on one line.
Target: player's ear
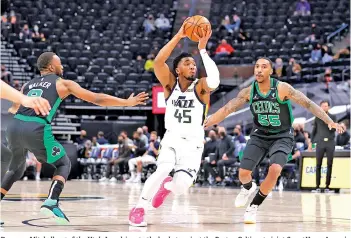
{"points": [[51, 67], [177, 71]]}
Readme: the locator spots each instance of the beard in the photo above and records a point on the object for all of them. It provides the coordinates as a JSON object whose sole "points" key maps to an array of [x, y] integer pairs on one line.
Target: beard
{"points": [[191, 78]]}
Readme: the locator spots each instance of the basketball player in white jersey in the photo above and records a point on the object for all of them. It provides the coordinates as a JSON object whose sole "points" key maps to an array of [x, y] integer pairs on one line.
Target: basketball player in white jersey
{"points": [[187, 99]]}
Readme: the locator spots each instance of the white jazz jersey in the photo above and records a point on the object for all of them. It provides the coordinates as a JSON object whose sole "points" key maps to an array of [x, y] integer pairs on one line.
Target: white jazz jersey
{"points": [[185, 113]]}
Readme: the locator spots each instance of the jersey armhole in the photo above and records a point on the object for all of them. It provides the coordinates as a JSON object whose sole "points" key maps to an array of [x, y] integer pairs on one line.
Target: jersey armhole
{"points": [[172, 89], [277, 95], [196, 95], [252, 91]]}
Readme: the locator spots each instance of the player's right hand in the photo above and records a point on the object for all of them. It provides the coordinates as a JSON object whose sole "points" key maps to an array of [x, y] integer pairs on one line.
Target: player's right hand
{"points": [[339, 128], [181, 32], [40, 105], [138, 99]]}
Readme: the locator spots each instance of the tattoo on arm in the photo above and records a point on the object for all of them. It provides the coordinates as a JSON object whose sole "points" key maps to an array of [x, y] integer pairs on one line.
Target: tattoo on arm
{"points": [[301, 99], [234, 104]]}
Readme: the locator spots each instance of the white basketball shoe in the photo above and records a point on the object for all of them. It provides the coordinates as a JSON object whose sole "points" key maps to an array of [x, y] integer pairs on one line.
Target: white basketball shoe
{"points": [[244, 195]]}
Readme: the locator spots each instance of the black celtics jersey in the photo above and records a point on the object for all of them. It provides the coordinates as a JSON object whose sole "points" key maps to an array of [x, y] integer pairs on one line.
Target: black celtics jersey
{"points": [[270, 114], [45, 87]]}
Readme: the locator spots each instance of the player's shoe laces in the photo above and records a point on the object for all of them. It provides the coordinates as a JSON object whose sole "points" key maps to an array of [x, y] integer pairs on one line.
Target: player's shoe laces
{"points": [[244, 195], [161, 194], [50, 208], [250, 214], [136, 217]]}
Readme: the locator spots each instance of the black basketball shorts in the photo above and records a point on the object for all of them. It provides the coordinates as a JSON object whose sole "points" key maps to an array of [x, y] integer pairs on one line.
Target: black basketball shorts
{"points": [[260, 145]]}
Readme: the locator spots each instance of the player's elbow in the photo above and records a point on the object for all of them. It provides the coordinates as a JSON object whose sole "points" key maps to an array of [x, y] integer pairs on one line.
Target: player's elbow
{"points": [[158, 60], [213, 80], [98, 99]]}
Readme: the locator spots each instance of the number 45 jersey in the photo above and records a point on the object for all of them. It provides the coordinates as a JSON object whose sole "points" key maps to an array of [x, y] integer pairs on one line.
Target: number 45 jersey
{"points": [[45, 87], [185, 112], [270, 114]]}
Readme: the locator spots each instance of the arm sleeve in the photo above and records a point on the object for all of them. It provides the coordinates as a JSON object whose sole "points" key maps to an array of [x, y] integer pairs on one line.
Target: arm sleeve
{"points": [[212, 71]]}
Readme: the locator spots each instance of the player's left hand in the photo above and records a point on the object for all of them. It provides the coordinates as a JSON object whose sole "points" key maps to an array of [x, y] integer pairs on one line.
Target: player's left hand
{"points": [[204, 39], [338, 127], [40, 105], [138, 99]]}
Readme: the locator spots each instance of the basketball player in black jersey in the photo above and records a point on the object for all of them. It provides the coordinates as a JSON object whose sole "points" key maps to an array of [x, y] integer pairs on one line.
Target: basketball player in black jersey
{"points": [[272, 134], [40, 106], [28, 131]]}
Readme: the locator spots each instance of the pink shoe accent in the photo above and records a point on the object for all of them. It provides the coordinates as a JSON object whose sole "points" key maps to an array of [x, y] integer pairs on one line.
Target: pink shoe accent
{"points": [[136, 216], [161, 194]]}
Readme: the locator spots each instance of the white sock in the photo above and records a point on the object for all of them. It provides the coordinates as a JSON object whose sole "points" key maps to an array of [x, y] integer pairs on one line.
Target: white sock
{"points": [[132, 174], [138, 175], [169, 185]]}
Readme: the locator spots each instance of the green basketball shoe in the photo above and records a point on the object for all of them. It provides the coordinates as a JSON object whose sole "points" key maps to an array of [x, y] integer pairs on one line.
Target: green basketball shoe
{"points": [[50, 208]]}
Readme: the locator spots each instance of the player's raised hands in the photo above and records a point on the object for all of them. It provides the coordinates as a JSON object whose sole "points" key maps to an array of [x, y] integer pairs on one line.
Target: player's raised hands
{"points": [[138, 99], [40, 105], [181, 32], [205, 36]]}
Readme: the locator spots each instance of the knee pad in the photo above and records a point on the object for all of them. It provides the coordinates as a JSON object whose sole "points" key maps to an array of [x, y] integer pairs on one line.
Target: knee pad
{"points": [[12, 176], [63, 167], [280, 158]]}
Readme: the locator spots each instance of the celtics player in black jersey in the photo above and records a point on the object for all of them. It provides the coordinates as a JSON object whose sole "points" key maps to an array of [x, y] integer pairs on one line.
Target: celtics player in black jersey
{"points": [[271, 135], [29, 131]]}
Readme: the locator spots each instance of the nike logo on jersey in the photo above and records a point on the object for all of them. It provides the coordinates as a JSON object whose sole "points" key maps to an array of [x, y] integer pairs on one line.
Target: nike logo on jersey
{"points": [[181, 102]]}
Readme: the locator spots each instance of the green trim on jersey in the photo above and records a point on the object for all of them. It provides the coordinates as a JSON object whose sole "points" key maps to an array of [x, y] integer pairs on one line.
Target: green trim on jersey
{"points": [[259, 92], [252, 91], [54, 150], [30, 119], [54, 109], [285, 102]]}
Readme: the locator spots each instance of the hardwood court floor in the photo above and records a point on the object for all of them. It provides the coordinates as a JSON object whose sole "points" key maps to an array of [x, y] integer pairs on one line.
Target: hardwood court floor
{"points": [[202, 209]]}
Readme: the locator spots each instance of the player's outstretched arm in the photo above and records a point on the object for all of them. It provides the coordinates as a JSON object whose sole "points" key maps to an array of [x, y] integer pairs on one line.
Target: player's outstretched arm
{"points": [[232, 106], [102, 99], [211, 82], [40, 105], [298, 97], [161, 69]]}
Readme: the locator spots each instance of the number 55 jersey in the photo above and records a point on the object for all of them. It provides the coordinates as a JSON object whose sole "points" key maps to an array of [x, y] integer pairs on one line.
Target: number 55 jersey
{"points": [[270, 114]]}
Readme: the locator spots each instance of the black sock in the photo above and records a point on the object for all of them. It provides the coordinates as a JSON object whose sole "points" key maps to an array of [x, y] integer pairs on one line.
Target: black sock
{"points": [[55, 189], [2, 196], [248, 185], [258, 199]]}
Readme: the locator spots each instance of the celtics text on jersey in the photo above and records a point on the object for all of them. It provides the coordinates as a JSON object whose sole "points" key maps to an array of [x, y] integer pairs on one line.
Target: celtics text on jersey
{"points": [[269, 112]]}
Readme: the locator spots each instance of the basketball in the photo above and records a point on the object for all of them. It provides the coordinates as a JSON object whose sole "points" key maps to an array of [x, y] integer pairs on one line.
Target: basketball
{"points": [[194, 25]]}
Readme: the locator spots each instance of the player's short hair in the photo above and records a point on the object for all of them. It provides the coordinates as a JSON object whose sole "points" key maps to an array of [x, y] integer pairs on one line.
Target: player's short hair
{"points": [[178, 59], [154, 133], [44, 60], [324, 101], [265, 58]]}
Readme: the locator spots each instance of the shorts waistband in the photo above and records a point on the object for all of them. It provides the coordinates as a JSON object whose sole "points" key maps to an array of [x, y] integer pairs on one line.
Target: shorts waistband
{"points": [[263, 132], [32, 119]]}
